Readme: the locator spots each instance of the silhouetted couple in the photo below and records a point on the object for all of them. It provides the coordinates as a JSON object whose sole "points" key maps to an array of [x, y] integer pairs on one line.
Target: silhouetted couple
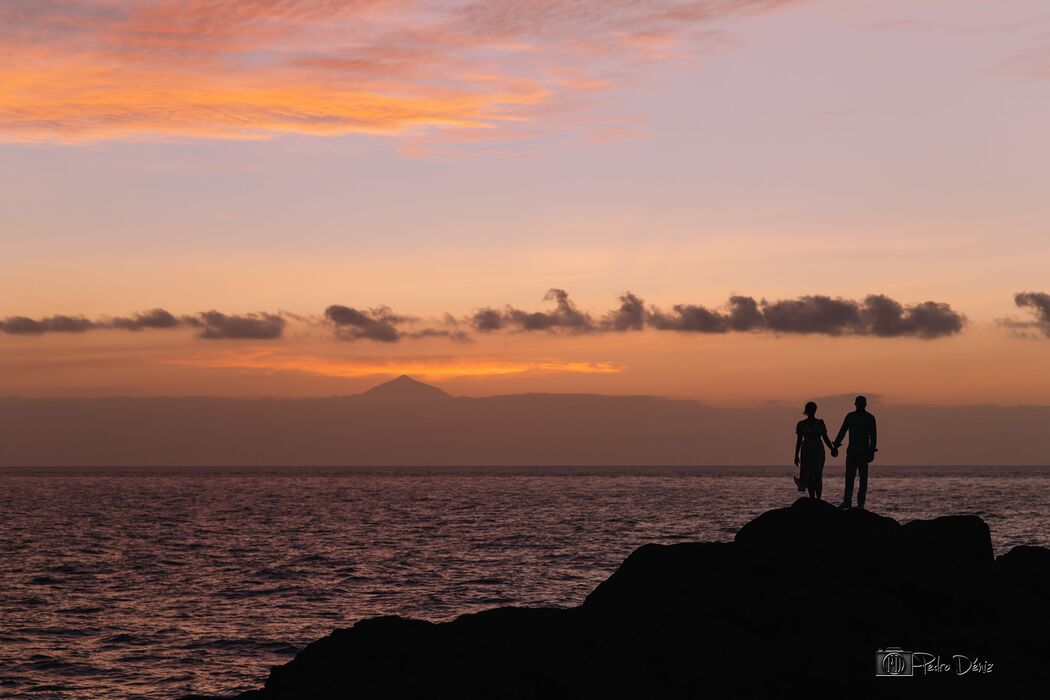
{"points": [[812, 435]]}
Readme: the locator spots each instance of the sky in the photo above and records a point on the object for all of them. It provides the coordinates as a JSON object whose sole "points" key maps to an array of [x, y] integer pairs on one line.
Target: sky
{"points": [[726, 200]]}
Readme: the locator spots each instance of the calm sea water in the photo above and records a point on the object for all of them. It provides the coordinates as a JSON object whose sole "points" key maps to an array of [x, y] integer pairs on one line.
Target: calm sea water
{"points": [[155, 583]]}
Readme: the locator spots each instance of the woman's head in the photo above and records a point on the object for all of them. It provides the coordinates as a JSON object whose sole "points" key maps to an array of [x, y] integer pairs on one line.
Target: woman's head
{"points": [[810, 409]]}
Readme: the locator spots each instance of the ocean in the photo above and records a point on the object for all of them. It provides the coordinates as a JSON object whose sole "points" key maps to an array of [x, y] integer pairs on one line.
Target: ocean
{"points": [[154, 583]]}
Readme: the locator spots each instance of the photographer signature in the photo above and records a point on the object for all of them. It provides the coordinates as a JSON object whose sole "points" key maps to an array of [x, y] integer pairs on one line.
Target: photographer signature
{"points": [[931, 663]]}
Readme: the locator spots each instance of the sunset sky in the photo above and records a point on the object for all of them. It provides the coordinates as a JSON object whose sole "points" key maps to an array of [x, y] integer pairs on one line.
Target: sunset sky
{"points": [[728, 200]]}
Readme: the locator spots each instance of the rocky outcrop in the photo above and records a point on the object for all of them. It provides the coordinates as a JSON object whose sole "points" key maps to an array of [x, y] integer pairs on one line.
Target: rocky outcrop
{"points": [[801, 599]]}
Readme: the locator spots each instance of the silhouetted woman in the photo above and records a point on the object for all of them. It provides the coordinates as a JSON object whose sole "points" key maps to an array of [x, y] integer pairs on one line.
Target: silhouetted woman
{"points": [[812, 435]]}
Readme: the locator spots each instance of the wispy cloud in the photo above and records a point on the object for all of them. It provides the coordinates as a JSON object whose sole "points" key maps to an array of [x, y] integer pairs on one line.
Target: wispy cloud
{"points": [[215, 325], [427, 367], [210, 325], [23, 325], [1038, 303], [90, 69], [154, 318], [564, 316], [383, 325], [1033, 63]]}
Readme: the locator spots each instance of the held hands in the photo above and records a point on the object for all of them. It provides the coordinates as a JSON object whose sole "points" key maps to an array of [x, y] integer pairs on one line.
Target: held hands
{"points": [[796, 460], [834, 450]]}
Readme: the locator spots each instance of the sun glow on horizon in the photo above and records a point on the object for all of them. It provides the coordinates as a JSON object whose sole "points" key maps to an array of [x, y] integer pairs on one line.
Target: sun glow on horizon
{"points": [[428, 367]]}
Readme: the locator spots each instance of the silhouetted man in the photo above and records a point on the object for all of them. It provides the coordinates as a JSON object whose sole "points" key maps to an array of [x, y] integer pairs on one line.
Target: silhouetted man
{"points": [[861, 450]]}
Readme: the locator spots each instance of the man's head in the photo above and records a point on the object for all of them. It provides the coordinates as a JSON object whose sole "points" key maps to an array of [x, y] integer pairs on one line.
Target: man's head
{"points": [[860, 402]]}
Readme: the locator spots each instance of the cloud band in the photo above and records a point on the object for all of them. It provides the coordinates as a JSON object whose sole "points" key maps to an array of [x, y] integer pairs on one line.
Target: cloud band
{"points": [[876, 316]]}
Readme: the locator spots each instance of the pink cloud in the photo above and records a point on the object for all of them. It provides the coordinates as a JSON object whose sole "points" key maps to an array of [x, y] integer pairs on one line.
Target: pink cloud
{"points": [[97, 69]]}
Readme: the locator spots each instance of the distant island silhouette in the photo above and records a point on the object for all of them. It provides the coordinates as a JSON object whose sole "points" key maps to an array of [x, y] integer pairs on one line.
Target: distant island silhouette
{"points": [[404, 422], [803, 598], [404, 388]]}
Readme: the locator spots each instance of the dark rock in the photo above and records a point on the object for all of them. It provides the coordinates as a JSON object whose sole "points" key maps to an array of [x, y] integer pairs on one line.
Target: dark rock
{"points": [[654, 579], [1021, 609], [1026, 570], [802, 598]]}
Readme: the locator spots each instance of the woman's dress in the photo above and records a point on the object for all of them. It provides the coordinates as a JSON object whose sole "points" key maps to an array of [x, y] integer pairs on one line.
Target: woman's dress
{"points": [[811, 455]]}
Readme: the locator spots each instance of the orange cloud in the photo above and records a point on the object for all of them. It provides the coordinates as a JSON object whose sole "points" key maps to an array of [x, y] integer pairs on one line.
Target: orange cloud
{"points": [[91, 69], [431, 367]]}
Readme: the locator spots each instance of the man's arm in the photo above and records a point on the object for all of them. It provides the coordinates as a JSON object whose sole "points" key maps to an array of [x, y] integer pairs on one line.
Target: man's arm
{"points": [[842, 431], [872, 445]]}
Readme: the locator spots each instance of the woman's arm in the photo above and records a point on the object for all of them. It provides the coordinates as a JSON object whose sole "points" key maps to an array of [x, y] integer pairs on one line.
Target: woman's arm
{"points": [[827, 440], [798, 446], [824, 435]]}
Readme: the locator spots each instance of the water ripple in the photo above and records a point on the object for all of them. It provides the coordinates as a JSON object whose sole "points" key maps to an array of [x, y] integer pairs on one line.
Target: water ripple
{"points": [[157, 583]]}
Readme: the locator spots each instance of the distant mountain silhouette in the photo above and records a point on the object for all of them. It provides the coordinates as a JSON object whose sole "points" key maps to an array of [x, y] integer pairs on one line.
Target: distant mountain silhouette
{"points": [[404, 388], [407, 423]]}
